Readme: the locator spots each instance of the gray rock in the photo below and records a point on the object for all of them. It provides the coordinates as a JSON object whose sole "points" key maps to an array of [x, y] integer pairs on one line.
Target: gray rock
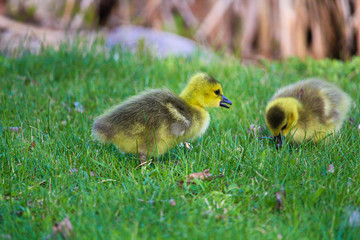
{"points": [[162, 44]]}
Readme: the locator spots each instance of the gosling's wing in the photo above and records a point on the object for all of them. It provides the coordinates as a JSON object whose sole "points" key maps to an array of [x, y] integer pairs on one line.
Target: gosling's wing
{"points": [[133, 116], [294, 90], [336, 103], [169, 111], [321, 100], [308, 92], [178, 115], [179, 118], [326, 101], [314, 99], [146, 112]]}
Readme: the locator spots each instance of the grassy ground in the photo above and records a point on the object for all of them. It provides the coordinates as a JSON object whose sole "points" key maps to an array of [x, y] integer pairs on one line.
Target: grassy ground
{"points": [[51, 168]]}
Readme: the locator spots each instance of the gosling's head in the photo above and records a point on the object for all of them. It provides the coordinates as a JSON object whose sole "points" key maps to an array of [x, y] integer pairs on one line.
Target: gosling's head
{"points": [[205, 91], [282, 114]]}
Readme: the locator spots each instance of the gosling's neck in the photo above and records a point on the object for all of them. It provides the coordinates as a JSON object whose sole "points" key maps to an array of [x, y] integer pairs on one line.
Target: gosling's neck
{"points": [[191, 98], [201, 115]]}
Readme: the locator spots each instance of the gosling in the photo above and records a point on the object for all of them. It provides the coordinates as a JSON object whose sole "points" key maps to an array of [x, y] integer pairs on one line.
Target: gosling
{"points": [[151, 123], [307, 110]]}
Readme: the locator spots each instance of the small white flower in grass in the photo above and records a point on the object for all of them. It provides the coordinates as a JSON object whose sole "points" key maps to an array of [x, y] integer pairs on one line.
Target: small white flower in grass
{"points": [[15, 129], [5, 236], [254, 130], [78, 107], [116, 57], [330, 168], [349, 182], [354, 218], [172, 202]]}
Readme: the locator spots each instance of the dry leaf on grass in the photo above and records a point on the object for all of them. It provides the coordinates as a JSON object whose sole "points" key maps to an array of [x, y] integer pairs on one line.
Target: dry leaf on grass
{"points": [[75, 170], [171, 201], [42, 183], [204, 175], [187, 145], [66, 107], [148, 202], [107, 180], [201, 175], [32, 145], [19, 213], [64, 228]]}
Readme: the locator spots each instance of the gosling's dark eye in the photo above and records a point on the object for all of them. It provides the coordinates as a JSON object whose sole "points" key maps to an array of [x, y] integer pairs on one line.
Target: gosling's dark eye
{"points": [[217, 92], [284, 127]]}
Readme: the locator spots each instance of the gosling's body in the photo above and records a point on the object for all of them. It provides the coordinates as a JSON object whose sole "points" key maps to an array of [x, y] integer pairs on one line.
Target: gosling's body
{"points": [[310, 109], [155, 121], [151, 122]]}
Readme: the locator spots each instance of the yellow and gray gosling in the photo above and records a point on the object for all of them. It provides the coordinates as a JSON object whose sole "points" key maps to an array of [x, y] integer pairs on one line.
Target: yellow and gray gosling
{"points": [[309, 109], [154, 121]]}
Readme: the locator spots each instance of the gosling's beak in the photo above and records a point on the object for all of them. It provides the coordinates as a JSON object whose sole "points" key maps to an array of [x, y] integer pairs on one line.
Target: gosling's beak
{"points": [[225, 101], [278, 141]]}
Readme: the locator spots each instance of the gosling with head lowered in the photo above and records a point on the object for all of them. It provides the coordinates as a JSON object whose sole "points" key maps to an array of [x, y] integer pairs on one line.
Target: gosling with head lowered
{"points": [[307, 110], [155, 121]]}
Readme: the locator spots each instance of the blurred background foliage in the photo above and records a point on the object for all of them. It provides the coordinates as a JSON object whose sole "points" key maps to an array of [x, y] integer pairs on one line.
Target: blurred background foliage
{"points": [[250, 29]]}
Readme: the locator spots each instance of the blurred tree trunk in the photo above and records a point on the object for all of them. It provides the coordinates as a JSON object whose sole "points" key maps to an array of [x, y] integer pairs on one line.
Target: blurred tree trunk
{"points": [[255, 28]]}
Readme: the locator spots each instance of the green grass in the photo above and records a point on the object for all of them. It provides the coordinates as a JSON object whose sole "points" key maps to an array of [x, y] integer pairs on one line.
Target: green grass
{"points": [[39, 186]]}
